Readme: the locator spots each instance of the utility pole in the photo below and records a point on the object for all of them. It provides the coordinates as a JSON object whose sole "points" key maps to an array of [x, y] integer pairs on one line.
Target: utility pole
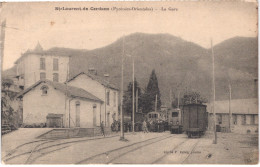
{"points": [[136, 108], [155, 103], [178, 99], [121, 93], [133, 85], [3, 25], [170, 97], [230, 112], [213, 83]]}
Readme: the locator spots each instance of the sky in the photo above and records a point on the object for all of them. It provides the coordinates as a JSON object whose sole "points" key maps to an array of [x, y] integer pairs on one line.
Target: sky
{"points": [[198, 22]]}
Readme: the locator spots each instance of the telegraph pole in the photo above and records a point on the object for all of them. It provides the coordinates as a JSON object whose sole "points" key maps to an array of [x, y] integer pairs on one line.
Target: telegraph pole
{"points": [[230, 112], [178, 99], [213, 83], [155, 103], [121, 93], [133, 85], [3, 25], [136, 108]]}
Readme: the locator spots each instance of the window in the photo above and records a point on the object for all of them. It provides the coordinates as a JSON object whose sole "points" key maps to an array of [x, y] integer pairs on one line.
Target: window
{"points": [[108, 93], [55, 77], [44, 90], [252, 120], [175, 114], [42, 75], [219, 119], [114, 99], [55, 64], [234, 119], [42, 63], [243, 119]]}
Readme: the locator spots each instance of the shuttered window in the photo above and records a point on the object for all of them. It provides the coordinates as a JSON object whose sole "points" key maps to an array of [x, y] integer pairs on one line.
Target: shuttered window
{"points": [[55, 64], [42, 63], [55, 77]]}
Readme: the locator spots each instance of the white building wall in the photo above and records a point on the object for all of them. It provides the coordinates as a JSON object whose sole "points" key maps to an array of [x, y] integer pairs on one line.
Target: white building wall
{"points": [[37, 106], [90, 85], [98, 90], [86, 113], [30, 67]]}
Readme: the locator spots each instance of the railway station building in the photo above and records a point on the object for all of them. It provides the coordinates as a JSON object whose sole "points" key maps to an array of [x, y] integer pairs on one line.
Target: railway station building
{"points": [[50, 97], [244, 115]]}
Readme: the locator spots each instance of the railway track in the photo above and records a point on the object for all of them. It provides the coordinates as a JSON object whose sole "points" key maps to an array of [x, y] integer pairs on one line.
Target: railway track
{"points": [[44, 147], [157, 161], [39, 151], [114, 154]]}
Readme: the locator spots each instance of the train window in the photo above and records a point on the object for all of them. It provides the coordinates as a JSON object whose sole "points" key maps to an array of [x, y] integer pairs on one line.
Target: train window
{"points": [[175, 114], [155, 115]]}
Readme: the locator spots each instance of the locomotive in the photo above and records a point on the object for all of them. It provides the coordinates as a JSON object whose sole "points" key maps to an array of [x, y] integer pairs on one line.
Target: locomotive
{"points": [[175, 121]]}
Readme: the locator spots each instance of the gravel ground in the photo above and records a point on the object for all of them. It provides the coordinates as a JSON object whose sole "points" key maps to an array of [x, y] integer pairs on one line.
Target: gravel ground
{"points": [[231, 148], [20, 136]]}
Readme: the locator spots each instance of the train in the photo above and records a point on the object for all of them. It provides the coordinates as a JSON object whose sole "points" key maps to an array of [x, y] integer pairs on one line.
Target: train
{"points": [[190, 118]]}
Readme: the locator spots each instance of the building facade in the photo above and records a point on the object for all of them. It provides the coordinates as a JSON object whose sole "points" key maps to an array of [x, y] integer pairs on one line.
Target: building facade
{"points": [[47, 99], [244, 115], [102, 89], [38, 64]]}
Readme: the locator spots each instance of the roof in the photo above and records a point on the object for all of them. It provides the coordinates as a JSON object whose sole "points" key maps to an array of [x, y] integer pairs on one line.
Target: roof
{"points": [[238, 106], [97, 78], [38, 50], [51, 115], [69, 90]]}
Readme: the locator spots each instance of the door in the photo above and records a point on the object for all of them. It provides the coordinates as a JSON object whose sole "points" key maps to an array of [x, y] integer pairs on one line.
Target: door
{"points": [[108, 119], [77, 114], [94, 115]]}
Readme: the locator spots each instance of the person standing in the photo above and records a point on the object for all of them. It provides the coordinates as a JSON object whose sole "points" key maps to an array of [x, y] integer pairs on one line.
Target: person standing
{"points": [[145, 127], [116, 126], [102, 128]]}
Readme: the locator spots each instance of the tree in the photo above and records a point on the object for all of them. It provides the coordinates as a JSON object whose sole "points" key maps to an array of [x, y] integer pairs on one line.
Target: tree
{"points": [[193, 98], [128, 98], [7, 111], [149, 96]]}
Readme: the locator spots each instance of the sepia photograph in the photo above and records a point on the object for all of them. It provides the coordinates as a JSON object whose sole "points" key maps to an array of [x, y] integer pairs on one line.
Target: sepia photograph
{"points": [[162, 82]]}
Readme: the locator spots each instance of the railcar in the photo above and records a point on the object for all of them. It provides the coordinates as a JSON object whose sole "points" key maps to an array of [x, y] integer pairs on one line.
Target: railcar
{"points": [[155, 121], [194, 119], [175, 121]]}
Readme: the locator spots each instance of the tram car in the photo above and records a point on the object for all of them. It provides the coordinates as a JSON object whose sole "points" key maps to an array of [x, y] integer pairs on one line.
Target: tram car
{"points": [[155, 122], [194, 119], [153, 116], [175, 121]]}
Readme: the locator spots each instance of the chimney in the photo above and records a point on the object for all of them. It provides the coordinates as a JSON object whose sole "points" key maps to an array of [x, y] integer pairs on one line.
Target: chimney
{"points": [[92, 70]]}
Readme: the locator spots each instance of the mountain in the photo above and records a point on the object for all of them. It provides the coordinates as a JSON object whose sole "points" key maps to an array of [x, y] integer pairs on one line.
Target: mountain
{"points": [[177, 63]]}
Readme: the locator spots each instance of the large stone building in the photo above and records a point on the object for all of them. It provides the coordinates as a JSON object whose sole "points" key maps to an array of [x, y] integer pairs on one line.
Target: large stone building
{"points": [[244, 115], [49, 97], [38, 64]]}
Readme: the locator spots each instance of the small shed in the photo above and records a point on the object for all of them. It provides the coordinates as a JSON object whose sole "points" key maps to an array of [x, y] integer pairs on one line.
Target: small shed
{"points": [[54, 120]]}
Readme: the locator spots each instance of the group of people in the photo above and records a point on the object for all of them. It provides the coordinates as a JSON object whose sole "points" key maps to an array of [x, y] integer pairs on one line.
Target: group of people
{"points": [[115, 126]]}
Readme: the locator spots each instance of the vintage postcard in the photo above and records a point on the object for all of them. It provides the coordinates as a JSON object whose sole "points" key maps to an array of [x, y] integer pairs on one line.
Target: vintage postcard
{"points": [[129, 82]]}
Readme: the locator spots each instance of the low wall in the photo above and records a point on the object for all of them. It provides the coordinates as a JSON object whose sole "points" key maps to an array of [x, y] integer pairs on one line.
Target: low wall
{"points": [[245, 129]]}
